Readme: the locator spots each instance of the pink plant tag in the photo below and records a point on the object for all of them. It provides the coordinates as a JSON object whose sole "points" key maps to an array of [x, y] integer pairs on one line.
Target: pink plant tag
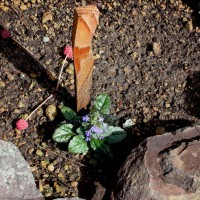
{"points": [[21, 124], [68, 52]]}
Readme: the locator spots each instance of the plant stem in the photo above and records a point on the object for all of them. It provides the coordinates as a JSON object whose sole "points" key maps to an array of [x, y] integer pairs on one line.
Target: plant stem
{"points": [[49, 97], [61, 70]]}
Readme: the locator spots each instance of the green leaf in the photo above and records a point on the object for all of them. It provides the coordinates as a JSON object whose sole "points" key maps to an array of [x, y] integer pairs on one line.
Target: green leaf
{"points": [[117, 134], [68, 113], [96, 144], [80, 130], [63, 133], [105, 149], [78, 145], [102, 103]]}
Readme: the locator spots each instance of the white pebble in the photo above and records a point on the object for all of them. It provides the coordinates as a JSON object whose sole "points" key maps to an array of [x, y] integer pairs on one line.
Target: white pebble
{"points": [[45, 39]]}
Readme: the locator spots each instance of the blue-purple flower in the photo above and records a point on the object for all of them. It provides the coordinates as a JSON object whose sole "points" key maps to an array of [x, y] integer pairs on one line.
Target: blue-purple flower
{"points": [[85, 118], [88, 135], [87, 139], [96, 130]]}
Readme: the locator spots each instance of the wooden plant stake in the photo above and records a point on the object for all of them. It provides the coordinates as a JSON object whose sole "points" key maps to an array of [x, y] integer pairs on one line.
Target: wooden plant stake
{"points": [[86, 19]]}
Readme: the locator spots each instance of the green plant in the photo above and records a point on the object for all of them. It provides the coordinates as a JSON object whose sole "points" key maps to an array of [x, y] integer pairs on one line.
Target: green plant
{"points": [[92, 131]]}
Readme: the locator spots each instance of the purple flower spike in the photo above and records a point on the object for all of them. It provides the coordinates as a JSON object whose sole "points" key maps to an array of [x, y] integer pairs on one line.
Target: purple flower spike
{"points": [[85, 118], [96, 129]]}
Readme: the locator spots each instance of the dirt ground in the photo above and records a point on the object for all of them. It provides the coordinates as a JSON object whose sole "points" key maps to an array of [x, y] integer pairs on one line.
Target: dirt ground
{"points": [[147, 59]]}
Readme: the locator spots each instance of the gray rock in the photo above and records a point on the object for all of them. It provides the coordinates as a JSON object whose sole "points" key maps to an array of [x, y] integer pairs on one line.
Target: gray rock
{"points": [[17, 181], [163, 167], [73, 198]]}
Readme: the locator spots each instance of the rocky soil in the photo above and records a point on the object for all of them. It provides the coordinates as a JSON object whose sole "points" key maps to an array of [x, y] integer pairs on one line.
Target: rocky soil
{"points": [[147, 59]]}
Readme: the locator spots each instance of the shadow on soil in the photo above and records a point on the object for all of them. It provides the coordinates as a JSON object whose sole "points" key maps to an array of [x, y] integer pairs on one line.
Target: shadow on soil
{"points": [[105, 169], [192, 95], [195, 6], [24, 63]]}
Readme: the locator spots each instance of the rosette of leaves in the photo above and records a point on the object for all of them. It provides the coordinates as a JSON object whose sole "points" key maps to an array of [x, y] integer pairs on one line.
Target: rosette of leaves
{"points": [[93, 131]]}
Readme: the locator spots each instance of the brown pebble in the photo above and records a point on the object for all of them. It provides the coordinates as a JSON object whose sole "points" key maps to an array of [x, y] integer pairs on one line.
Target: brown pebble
{"points": [[74, 183]]}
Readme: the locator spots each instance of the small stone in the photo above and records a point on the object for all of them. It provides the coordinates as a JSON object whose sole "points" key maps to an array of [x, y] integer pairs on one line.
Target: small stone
{"points": [[18, 132], [156, 48], [33, 75], [44, 163], [51, 167], [22, 76], [70, 69], [66, 167], [134, 12], [39, 153], [10, 77], [4, 8], [3, 109], [16, 2], [47, 16], [41, 189], [167, 105], [189, 26], [60, 175], [59, 188], [74, 183], [51, 112], [16, 111], [30, 151], [163, 6], [21, 105], [160, 130], [23, 7], [34, 168], [128, 123], [71, 87], [45, 39], [2, 84]]}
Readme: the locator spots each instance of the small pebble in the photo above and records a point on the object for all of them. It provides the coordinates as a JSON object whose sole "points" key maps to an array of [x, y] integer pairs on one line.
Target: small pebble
{"points": [[74, 183], [39, 153], [47, 16], [2, 84], [45, 39], [51, 112], [160, 130], [51, 167], [156, 48]]}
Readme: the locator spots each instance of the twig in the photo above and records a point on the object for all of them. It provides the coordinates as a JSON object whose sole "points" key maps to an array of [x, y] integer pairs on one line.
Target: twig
{"points": [[62, 156], [61, 70], [39, 106], [23, 47], [20, 17]]}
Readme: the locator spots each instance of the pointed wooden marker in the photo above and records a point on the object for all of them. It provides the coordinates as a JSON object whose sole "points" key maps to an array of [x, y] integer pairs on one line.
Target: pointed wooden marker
{"points": [[86, 19]]}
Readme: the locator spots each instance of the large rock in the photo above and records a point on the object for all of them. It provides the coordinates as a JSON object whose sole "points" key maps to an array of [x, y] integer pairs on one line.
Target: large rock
{"points": [[16, 179], [163, 167]]}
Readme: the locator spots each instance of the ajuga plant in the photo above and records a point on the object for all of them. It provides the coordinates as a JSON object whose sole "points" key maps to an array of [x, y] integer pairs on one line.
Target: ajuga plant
{"points": [[94, 131]]}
